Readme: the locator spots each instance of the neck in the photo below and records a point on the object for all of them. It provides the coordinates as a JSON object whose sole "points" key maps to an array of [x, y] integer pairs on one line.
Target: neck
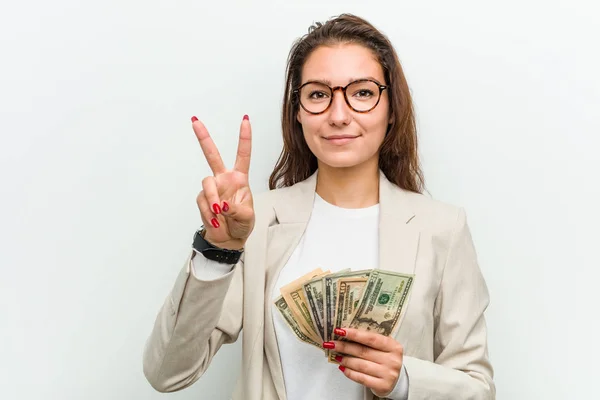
{"points": [[352, 187]]}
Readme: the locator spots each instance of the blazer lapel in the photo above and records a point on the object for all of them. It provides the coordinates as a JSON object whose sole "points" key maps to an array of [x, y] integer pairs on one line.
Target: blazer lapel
{"points": [[292, 210], [398, 239]]}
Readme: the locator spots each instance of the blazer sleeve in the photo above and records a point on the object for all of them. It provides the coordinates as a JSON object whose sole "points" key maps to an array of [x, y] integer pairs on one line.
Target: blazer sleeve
{"points": [[196, 318], [461, 368]]}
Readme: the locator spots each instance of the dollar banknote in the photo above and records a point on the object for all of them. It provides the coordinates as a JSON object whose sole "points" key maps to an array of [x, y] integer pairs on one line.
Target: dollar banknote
{"points": [[382, 302], [330, 287], [285, 311], [318, 302], [294, 296], [349, 294], [313, 290]]}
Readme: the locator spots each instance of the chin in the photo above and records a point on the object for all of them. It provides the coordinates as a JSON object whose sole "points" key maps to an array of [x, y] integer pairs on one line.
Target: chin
{"points": [[341, 160]]}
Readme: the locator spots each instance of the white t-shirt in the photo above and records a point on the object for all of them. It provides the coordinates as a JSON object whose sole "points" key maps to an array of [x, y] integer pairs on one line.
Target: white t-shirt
{"points": [[335, 238]]}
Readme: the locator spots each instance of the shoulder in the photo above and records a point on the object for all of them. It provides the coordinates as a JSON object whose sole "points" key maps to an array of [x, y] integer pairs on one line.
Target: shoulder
{"points": [[265, 202], [267, 199], [289, 200]]}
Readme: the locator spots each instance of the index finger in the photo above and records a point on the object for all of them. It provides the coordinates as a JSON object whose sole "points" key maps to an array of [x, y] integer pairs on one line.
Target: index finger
{"points": [[370, 339], [211, 153], [242, 160]]}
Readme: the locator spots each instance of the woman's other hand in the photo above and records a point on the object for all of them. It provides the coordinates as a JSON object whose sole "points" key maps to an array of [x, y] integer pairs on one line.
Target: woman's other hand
{"points": [[225, 202]]}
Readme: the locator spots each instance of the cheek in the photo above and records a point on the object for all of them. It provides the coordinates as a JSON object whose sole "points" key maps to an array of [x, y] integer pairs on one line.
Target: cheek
{"points": [[311, 127], [376, 128]]}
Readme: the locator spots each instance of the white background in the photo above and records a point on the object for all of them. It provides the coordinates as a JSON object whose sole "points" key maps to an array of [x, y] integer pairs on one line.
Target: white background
{"points": [[99, 171]]}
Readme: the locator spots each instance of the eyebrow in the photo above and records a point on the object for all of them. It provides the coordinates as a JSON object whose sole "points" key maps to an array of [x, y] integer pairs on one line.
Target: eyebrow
{"points": [[328, 82]]}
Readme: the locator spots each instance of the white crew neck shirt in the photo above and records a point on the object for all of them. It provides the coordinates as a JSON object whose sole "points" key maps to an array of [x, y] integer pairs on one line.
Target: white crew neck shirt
{"points": [[335, 238]]}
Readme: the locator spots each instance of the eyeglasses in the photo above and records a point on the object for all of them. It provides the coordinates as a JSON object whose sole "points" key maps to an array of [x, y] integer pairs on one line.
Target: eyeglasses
{"points": [[362, 95]]}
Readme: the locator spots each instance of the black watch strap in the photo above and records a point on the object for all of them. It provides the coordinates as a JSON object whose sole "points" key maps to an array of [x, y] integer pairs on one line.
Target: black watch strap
{"points": [[224, 256]]}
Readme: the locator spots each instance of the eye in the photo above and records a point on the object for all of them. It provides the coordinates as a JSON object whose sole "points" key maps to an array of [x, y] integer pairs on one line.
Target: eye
{"points": [[365, 93], [317, 95]]}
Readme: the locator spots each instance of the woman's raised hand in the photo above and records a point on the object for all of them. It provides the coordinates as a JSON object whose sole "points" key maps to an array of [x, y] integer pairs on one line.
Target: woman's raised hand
{"points": [[225, 202]]}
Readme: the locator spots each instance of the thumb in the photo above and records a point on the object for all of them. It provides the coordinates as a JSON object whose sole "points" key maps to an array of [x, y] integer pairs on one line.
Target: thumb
{"points": [[241, 212]]}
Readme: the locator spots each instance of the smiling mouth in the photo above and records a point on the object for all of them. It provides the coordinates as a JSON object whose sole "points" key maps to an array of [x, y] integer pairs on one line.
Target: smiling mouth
{"points": [[339, 140], [339, 137]]}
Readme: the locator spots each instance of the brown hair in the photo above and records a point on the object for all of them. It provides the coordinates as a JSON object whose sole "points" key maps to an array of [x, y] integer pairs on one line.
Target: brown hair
{"points": [[398, 157]]}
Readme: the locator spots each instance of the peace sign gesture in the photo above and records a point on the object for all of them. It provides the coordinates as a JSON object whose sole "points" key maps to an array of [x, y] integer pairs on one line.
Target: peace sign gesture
{"points": [[225, 202]]}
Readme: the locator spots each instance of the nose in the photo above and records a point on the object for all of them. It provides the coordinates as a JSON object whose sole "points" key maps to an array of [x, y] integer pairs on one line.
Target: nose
{"points": [[339, 112]]}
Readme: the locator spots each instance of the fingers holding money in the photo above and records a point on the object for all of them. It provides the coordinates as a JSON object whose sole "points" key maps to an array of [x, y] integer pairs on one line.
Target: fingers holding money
{"points": [[368, 374], [369, 340], [371, 359], [380, 380]]}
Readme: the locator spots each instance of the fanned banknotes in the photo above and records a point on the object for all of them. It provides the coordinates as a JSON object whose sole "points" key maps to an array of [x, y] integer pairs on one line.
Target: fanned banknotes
{"points": [[318, 302]]}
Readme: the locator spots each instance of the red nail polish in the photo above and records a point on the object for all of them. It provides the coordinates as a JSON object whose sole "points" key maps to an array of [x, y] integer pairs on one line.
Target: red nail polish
{"points": [[328, 345], [342, 368], [216, 209], [215, 223], [194, 119], [225, 206], [338, 358], [247, 118], [339, 332]]}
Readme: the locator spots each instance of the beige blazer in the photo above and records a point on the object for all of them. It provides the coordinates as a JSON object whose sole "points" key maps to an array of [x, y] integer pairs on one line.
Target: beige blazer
{"points": [[443, 330]]}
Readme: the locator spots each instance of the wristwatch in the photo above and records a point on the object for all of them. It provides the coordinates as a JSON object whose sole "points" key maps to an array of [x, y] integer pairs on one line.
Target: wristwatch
{"points": [[224, 256]]}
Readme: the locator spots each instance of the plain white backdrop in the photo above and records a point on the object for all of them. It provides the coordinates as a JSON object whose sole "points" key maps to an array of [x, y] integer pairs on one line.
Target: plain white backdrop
{"points": [[99, 171]]}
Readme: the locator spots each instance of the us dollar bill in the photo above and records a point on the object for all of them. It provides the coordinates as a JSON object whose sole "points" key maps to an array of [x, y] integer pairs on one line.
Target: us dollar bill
{"points": [[313, 290], [285, 311], [382, 302], [293, 294], [330, 287], [299, 309], [349, 294]]}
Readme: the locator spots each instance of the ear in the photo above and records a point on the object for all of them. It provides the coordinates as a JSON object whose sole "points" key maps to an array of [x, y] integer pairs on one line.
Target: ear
{"points": [[391, 118], [298, 116]]}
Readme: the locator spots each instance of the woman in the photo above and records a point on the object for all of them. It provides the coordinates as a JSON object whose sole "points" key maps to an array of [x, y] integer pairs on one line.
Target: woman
{"points": [[345, 194]]}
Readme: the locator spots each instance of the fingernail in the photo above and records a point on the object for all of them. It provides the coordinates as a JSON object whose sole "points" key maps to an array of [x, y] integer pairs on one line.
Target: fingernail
{"points": [[194, 119], [216, 209], [328, 345], [246, 117], [339, 332], [342, 368], [225, 206], [338, 358], [215, 223]]}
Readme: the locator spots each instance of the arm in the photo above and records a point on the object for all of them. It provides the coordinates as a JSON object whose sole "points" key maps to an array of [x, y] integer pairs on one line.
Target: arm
{"points": [[461, 369], [197, 317]]}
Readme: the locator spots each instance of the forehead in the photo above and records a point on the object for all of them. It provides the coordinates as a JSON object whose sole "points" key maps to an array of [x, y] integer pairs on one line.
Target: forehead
{"points": [[340, 64]]}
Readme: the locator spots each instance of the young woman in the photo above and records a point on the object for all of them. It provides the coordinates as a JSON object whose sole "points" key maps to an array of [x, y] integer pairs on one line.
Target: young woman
{"points": [[345, 194]]}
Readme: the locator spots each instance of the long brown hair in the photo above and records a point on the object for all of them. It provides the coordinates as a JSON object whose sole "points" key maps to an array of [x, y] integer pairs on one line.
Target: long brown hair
{"points": [[398, 157]]}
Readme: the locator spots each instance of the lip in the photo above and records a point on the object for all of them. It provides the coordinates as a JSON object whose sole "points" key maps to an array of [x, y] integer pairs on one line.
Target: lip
{"points": [[340, 139]]}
